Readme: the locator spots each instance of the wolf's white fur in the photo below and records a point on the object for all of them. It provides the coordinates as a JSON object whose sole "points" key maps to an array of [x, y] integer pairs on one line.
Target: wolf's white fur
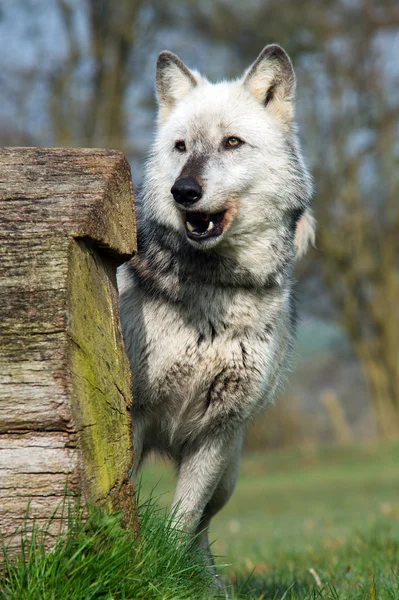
{"points": [[208, 325]]}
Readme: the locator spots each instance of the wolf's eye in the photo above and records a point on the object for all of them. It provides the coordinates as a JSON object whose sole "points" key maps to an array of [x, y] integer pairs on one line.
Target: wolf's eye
{"points": [[233, 142], [180, 146]]}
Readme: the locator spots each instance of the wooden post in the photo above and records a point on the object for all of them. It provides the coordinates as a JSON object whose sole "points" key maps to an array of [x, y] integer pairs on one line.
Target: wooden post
{"points": [[66, 223]]}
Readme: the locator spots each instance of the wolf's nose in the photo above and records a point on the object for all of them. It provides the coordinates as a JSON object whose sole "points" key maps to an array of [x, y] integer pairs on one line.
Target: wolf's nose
{"points": [[186, 190]]}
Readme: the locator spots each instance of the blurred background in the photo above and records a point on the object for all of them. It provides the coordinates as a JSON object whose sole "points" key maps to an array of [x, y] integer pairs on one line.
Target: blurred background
{"points": [[81, 73]]}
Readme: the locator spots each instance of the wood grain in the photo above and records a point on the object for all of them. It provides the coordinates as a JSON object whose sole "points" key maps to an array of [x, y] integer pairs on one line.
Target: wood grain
{"points": [[66, 222]]}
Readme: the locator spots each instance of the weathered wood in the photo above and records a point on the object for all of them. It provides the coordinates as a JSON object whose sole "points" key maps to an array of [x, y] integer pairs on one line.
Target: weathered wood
{"points": [[66, 222]]}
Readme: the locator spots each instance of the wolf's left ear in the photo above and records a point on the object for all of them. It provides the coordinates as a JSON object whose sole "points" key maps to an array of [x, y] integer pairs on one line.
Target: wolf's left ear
{"points": [[173, 81], [271, 80]]}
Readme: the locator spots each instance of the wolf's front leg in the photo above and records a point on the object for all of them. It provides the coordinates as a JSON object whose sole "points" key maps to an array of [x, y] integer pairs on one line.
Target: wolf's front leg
{"points": [[221, 495], [199, 474], [139, 430]]}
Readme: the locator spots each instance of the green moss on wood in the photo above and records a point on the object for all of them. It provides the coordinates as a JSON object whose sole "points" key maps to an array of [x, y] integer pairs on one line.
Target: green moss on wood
{"points": [[100, 376]]}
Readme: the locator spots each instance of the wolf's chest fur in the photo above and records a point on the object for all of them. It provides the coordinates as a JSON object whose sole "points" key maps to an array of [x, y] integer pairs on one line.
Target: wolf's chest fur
{"points": [[207, 346]]}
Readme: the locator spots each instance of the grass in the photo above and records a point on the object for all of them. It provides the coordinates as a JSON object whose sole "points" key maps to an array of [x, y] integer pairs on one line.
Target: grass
{"points": [[97, 559], [365, 566], [333, 510], [301, 525]]}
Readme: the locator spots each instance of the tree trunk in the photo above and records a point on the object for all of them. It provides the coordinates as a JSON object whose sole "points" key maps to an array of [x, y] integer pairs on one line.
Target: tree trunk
{"points": [[66, 222]]}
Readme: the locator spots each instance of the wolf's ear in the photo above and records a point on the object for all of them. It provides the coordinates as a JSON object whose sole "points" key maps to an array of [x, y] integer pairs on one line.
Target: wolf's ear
{"points": [[271, 80], [173, 81]]}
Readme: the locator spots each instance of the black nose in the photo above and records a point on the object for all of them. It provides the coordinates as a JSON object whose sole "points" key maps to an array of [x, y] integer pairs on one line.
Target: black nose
{"points": [[186, 190]]}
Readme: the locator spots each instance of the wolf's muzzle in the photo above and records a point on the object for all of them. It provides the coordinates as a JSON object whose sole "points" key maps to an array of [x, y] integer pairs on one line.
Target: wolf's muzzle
{"points": [[186, 191]]}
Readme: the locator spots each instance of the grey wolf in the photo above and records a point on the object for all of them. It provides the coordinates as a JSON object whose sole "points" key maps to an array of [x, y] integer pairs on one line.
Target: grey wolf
{"points": [[207, 304]]}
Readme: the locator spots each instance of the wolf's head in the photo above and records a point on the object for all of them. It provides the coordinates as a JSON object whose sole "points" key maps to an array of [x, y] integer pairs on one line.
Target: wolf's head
{"points": [[226, 169]]}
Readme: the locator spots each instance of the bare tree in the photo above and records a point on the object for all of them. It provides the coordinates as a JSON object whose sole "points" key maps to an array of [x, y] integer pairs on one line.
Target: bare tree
{"points": [[358, 191], [88, 93]]}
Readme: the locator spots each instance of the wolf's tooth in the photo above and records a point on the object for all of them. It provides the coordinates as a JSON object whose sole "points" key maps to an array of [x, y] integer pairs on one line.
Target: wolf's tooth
{"points": [[189, 226], [210, 226]]}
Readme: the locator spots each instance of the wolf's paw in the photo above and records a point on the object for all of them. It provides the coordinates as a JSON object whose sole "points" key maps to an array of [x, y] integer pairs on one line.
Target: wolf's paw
{"points": [[219, 587]]}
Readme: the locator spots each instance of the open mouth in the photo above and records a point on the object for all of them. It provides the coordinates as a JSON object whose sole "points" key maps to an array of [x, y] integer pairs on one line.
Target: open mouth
{"points": [[202, 226]]}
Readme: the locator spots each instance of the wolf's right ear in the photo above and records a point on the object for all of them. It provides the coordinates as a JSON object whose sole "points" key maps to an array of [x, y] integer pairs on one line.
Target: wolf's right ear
{"points": [[173, 81], [271, 80]]}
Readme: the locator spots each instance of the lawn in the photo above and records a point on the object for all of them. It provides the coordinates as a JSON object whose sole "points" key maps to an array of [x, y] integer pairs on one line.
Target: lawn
{"points": [[302, 525], [332, 511]]}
